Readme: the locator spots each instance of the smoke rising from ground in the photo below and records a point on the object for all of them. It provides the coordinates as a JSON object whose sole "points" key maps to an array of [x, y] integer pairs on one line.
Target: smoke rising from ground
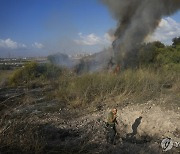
{"points": [[136, 20]]}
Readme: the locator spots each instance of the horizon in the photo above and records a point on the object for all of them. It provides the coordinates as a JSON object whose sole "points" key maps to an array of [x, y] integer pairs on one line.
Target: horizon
{"points": [[31, 28]]}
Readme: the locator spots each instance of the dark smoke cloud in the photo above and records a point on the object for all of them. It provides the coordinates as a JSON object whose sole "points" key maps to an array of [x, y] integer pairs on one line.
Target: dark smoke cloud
{"points": [[136, 20]]}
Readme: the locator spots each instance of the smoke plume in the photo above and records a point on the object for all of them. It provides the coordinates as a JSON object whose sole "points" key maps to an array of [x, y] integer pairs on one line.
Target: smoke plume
{"points": [[136, 20]]}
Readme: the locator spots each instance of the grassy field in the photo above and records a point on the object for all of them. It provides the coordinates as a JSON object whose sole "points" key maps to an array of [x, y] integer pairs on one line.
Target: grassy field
{"points": [[74, 90], [35, 97]]}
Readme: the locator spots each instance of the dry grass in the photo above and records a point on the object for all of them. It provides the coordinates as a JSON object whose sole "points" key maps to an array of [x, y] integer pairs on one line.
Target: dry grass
{"points": [[19, 134], [141, 83], [85, 92], [4, 76]]}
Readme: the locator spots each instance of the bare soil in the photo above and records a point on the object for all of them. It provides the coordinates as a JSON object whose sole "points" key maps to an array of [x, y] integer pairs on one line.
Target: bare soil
{"points": [[62, 130]]}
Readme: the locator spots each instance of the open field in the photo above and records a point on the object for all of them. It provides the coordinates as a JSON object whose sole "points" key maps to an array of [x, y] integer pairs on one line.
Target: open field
{"points": [[90, 77], [65, 112]]}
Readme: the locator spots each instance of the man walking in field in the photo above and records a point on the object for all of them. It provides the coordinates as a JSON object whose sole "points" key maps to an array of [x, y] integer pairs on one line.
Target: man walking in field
{"points": [[111, 126]]}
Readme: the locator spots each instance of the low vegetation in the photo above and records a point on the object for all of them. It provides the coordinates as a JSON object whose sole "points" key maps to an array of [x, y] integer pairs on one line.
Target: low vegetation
{"points": [[34, 71], [157, 74], [144, 83], [158, 69]]}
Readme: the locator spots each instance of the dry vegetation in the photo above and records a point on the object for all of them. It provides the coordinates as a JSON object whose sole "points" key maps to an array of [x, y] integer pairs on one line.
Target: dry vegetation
{"points": [[38, 101], [142, 83]]}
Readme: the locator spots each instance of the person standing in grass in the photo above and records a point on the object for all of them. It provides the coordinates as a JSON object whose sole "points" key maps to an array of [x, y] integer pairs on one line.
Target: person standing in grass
{"points": [[111, 126]]}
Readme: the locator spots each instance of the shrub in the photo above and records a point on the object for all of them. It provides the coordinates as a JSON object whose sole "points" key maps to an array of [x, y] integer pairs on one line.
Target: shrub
{"points": [[32, 71], [157, 55]]}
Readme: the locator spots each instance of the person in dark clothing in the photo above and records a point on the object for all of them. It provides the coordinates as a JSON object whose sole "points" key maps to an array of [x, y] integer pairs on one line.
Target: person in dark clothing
{"points": [[111, 126]]}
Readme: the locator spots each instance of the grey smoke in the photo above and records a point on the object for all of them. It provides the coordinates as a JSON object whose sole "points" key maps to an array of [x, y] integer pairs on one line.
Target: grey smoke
{"points": [[62, 59], [136, 20]]}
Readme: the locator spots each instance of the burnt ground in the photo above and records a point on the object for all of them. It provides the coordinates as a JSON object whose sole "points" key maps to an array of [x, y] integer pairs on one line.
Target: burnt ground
{"points": [[32, 123]]}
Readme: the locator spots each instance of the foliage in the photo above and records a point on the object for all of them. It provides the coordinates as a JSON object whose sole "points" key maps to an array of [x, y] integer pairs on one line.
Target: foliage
{"points": [[157, 55], [176, 41], [32, 71], [5, 67]]}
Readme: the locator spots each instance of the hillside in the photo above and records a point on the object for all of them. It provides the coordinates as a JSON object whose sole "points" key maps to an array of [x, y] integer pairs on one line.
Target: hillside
{"points": [[50, 109], [44, 117]]}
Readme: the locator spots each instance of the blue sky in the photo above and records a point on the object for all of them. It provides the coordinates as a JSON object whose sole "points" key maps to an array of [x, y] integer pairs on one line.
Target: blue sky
{"points": [[42, 27]]}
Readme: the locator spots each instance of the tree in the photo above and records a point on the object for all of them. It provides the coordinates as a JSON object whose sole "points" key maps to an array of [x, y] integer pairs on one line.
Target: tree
{"points": [[148, 52], [176, 41]]}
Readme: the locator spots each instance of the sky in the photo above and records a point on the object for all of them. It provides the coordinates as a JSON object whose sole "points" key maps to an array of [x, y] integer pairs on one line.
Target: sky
{"points": [[43, 27]]}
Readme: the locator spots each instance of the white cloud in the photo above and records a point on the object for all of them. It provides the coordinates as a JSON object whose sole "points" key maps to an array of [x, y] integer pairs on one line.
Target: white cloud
{"points": [[10, 44], [93, 39], [90, 39], [167, 29], [38, 45]]}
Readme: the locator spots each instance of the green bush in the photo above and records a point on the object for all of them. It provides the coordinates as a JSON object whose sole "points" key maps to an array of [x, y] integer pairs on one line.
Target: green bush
{"points": [[32, 71], [168, 55], [5, 67], [157, 55]]}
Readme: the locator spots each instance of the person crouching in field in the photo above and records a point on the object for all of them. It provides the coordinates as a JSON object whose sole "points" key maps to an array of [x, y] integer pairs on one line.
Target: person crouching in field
{"points": [[111, 126]]}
